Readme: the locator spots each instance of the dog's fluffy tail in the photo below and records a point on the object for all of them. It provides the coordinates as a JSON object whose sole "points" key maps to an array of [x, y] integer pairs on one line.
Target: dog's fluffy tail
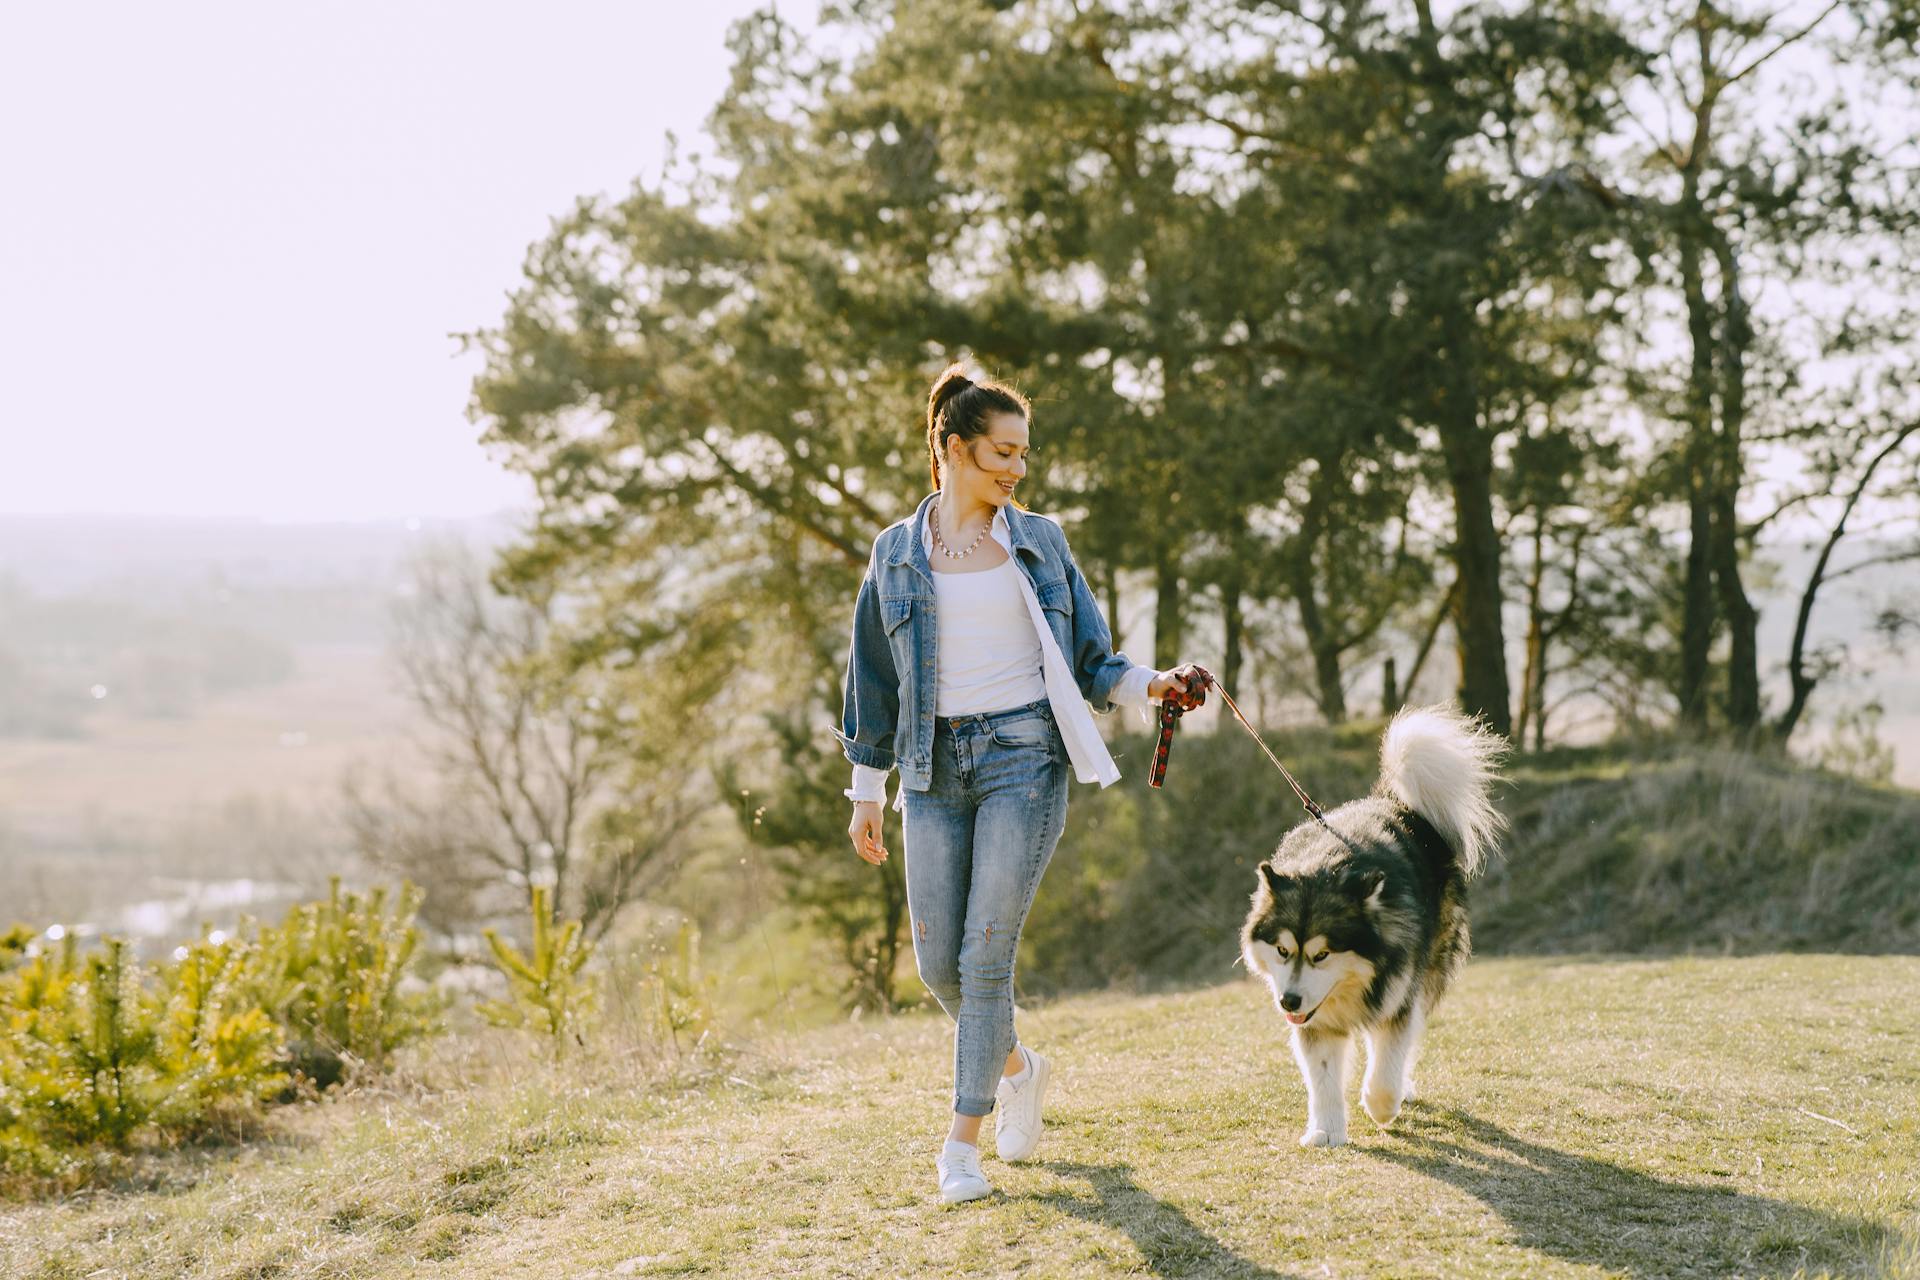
{"points": [[1442, 764]]}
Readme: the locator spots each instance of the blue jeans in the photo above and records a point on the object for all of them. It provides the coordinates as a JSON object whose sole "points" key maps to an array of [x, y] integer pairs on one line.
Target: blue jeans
{"points": [[977, 841]]}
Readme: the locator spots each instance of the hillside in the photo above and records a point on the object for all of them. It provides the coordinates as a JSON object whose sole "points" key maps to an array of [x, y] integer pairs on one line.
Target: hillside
{"points": [[1652, 848], [1583, 1117], [1668, 848]]}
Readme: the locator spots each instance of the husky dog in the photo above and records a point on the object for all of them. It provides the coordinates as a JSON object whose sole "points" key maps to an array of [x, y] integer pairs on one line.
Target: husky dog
{"points": [[1360, 922]]}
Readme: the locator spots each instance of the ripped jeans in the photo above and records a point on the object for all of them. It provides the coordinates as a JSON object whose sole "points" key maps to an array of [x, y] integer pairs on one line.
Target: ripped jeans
{"points": [[977, 842]]}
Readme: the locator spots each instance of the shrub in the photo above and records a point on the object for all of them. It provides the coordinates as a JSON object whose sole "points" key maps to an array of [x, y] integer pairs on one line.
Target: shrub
{"points": [[107, 1051], [213, 1040], [545, 992], [330, 976], [13, 946]]}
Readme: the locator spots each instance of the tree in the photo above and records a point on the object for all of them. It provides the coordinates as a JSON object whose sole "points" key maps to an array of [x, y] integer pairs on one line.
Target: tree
{"points": [[535, 776], [1883, 458], [1745, 198], [545, 993], [1451, 157]]}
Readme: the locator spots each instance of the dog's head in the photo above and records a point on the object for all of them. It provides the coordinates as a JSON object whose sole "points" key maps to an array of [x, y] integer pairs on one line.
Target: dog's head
{"points": [[1313, 934]]}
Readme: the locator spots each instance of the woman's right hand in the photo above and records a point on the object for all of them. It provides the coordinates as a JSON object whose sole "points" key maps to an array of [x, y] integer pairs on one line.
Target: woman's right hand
{"points": [[865, 832]]}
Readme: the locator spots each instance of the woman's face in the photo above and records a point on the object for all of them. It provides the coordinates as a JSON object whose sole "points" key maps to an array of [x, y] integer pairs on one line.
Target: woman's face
{"points": [[986, 468]]}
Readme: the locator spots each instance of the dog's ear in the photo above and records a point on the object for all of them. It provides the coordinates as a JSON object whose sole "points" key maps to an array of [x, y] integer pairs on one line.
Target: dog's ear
{"points": [[1275, 882], [1364, 884]]}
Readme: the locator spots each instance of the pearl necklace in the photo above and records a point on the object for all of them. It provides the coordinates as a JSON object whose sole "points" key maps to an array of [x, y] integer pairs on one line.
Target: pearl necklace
{"points": [[940, 543]]}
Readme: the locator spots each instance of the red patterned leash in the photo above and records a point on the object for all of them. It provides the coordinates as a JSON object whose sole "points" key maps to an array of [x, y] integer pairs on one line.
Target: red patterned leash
{"points": [[1172, 707], [1178, 704]]}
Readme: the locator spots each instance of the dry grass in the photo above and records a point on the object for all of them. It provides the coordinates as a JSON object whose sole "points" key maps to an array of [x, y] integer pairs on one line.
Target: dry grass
{"points": [[1679, 848], [1578, 1118]]}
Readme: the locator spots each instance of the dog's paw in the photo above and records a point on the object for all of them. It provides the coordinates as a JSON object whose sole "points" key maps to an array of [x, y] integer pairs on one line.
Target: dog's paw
{"points": [[1381, 1104], [1321, 1138]]}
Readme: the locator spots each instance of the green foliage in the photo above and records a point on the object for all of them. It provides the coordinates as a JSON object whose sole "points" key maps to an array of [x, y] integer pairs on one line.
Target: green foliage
{"points": [[546, 993], [104, 1050], [330, 975], [13, 946], [211, 1036], [1330, 314], [99, 1050], [802, 820]]}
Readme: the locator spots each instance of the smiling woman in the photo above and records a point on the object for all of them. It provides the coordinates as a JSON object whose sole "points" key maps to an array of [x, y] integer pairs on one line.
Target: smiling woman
{"points": [[972, 669]]}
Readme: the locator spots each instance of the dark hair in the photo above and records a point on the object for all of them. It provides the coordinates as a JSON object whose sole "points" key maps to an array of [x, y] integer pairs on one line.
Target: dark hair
{"points": [[959, 406]]}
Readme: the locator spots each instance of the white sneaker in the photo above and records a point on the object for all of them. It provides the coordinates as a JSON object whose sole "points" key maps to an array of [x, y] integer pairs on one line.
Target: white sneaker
{"points": [[960, 1176], [1018, 1130]]}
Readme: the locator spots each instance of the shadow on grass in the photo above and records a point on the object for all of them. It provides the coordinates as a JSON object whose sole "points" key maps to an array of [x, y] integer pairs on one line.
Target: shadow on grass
{"points": [[103, 1174], [1591, 1212], [1164, 1235]]}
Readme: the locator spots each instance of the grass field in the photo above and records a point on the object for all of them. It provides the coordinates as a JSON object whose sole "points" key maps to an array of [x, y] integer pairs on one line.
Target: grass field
{"points": [[1694, 1117]]}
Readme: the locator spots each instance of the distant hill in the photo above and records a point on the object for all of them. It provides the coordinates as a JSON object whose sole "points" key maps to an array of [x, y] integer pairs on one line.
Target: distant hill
{"points": [[178, 700], [295, 582]]}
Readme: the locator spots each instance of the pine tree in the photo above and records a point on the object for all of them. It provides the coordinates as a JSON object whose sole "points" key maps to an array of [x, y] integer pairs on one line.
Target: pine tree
{"points": [[546, 993]]}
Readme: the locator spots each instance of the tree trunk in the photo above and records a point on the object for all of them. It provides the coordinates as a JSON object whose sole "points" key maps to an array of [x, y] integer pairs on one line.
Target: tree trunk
{"points": [[1326, 675], [1743, 622], [1234, 625], [1321, 642], [1540, 701], [1476, 545], [1110, 578], [893, 920], [1440, 615], [1168, 611], [1328, 694], [1530, 683], [1697, 610], [1552, 625], [1802, 680], [1697, 605]]}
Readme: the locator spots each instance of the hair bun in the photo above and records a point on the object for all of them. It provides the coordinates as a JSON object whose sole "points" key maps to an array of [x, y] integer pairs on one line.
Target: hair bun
{"points": [[951, 379]]}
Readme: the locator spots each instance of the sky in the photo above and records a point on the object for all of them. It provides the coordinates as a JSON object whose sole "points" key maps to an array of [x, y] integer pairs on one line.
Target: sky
{"points": [[237, 237]]}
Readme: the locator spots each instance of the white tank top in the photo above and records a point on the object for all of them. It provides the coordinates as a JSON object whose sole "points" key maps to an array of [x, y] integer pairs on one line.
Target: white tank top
{"points": [[987, 654]]}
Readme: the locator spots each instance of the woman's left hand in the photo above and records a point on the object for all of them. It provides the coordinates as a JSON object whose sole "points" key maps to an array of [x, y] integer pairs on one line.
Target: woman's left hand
{"points": [[1183, 679]]}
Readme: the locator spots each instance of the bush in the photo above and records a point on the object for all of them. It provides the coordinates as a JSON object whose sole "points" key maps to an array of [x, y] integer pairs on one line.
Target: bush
{"points": [[545, 992], [330, 976], [107, 1051], [101, 1051]]}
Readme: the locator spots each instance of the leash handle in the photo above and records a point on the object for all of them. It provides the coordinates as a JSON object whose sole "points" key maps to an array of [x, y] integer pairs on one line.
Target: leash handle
{"points": [[1172, 707], [1169, 721]]}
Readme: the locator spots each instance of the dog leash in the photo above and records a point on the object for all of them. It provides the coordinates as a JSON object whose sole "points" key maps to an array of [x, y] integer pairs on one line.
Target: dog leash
{"points": [[1194, 695]]}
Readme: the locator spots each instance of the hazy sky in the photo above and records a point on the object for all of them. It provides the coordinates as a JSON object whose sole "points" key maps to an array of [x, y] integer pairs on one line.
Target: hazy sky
{"points": [[236, 236]]}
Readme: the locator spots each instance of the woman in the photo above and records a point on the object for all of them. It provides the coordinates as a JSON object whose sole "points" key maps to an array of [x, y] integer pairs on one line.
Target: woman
{"points": [[977, 646]]}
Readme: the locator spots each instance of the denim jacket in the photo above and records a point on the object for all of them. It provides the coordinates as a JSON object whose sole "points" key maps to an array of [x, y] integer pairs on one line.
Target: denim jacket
{"points": [[887, 715]]}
